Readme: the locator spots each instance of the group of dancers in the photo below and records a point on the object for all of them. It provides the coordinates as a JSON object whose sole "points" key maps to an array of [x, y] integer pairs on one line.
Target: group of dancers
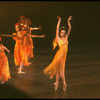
{"points": [[23, 50]]}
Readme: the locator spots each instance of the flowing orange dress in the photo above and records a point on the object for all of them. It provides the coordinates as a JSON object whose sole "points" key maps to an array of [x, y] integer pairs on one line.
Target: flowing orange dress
{"points": [[4, 66], [28, 44], [19, 50], [58, 61], [26, 48]]}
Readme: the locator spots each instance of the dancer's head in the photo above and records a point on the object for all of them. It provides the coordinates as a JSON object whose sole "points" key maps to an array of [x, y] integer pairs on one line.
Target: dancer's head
{"points": [[22, 20], [28, 23], [62, 31], [17, 27]]}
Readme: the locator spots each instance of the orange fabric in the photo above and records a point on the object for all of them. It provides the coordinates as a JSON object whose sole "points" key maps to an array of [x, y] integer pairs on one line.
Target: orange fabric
{"points": [[58, 61], [4, 66], [28, 44], [25, 40], [19, 51]]}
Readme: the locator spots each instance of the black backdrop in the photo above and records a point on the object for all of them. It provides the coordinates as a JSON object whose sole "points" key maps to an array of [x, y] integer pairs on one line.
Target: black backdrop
{"points": [[85, 23]]}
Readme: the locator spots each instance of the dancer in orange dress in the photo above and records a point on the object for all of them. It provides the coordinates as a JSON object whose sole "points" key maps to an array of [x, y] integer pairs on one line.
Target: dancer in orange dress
{"points": [[57, 67], [4, 65], [19, 50], [29, 43], [24, 24]]}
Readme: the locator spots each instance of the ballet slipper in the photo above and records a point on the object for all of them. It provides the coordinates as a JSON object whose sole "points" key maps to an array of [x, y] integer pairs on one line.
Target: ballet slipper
{"points": [[20, 72], [64, 87], [56, 86]]}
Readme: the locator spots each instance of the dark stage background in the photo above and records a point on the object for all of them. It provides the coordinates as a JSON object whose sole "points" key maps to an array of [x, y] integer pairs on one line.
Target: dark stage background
{"points": [[85, 23], [83, 59]]}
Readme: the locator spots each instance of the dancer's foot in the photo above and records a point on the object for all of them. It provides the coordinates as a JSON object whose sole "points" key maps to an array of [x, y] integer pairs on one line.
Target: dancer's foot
{"points": [[20, 72], [64, 87], [56, 86]]}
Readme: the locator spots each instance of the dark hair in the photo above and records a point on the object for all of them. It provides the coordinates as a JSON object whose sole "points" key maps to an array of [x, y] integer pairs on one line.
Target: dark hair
{"points": [[28, 21], [22, 19], [63, 28]]}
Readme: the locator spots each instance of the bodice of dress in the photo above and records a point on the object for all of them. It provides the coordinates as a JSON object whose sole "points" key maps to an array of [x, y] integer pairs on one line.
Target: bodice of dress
{"points": [[61, 43]]}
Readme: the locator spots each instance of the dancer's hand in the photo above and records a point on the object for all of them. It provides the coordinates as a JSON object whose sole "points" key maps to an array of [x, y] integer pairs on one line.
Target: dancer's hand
{"points": [[70, 17], [8, 51], [59, 18], [42, 36], [40, 27]]}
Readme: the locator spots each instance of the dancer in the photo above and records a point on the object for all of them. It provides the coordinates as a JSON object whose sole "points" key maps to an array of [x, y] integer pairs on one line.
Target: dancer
{"points": [[4, 65], [28, 40], [19, 50], [57, 67]]}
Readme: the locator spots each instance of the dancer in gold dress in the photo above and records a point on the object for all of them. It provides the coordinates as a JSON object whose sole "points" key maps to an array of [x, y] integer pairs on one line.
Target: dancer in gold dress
{"points": [[57, 67]]}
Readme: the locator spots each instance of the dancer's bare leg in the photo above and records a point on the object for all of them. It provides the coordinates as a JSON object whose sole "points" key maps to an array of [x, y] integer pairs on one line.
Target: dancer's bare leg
{"points": [[20, 68], [57, 81], [62, 74]]}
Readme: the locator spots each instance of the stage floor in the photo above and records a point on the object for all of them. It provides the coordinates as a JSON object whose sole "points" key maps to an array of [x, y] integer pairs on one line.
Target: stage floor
{"points": [[82, 76]]}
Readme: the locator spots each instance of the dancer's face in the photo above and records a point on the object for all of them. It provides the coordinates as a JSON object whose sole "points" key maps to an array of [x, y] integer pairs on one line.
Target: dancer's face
{"points": [[62, 33], [17, 28]]}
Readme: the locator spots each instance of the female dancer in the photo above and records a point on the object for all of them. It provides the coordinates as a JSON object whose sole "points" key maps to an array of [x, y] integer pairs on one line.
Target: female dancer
{"points": [[4, 65], [29, 42], [19, 50], [57, 67]]}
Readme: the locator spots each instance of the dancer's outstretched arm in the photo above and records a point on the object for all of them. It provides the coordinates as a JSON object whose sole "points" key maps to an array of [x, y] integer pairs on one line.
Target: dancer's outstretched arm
{"points": [[7, 35], [6, 49], [69, 26], [58, 25], [41, 36], [36, 28]]}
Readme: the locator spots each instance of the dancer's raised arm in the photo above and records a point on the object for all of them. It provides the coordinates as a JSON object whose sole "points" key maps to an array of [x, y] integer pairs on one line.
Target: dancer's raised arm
{"points": [[58, 25], [69, 26]]}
